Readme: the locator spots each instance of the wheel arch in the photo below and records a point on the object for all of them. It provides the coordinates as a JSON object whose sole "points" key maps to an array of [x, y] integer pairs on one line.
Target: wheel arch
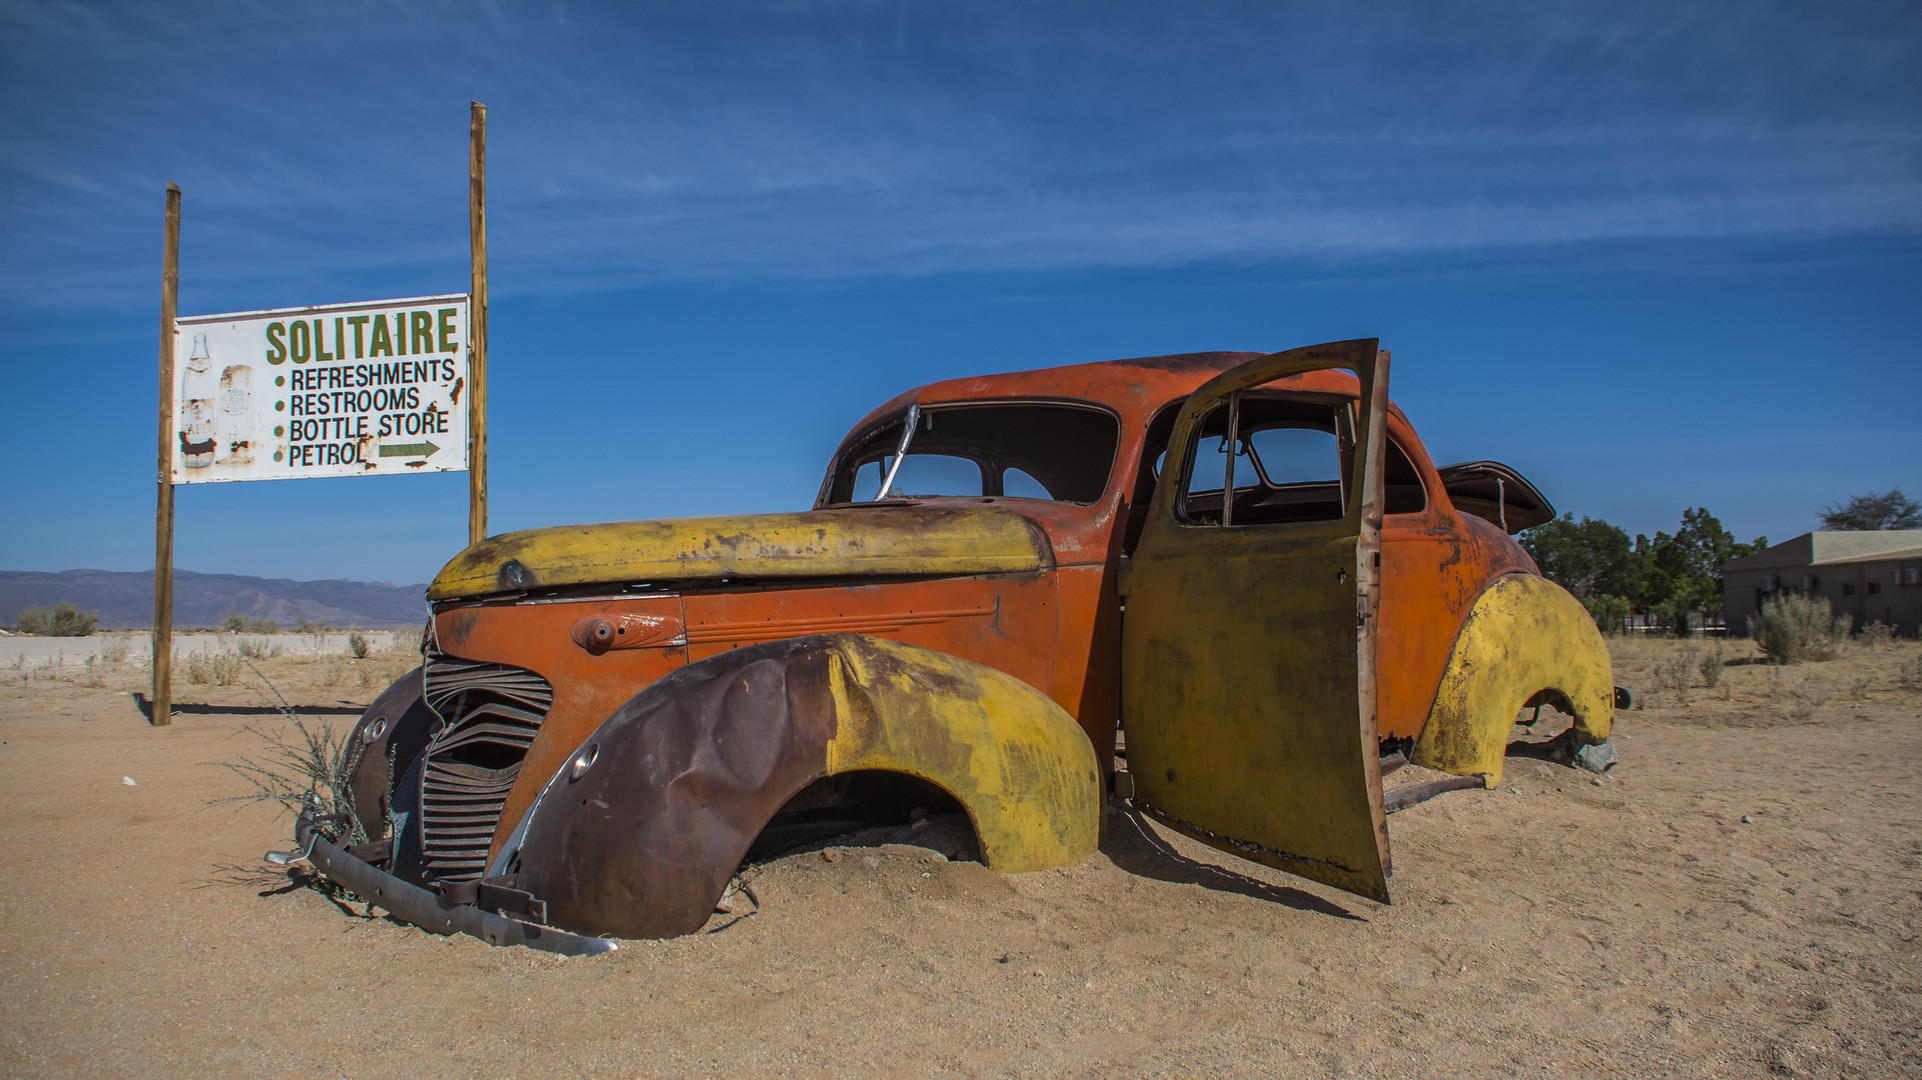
{"points": [[1524, 637], [684, 776]]}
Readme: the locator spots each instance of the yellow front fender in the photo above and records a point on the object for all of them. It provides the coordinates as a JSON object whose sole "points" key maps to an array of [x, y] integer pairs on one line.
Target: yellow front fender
{"points": [[1018, 763], [1525, 634]]}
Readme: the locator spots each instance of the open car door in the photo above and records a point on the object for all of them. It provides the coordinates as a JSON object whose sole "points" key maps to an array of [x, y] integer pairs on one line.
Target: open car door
{"points": [[1248, 645]]}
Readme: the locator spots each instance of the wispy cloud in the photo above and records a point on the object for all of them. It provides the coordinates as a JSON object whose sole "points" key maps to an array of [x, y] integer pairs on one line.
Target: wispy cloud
{"points": [[816, 140]]}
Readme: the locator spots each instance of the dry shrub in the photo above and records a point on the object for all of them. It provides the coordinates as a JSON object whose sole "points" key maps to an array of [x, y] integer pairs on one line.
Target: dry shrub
{"points": [[258, 648], [1791, 629], [215, 668], [1675, 675], [1711, 668], [1805, 696], [407, 641], [308, 764]]}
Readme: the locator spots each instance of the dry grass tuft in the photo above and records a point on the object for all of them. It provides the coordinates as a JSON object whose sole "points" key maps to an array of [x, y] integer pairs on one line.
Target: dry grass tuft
{"points": [[1732, 683]]}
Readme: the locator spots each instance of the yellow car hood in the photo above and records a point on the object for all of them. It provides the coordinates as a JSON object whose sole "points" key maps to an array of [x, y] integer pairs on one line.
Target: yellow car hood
{"points": [[857, 541]]}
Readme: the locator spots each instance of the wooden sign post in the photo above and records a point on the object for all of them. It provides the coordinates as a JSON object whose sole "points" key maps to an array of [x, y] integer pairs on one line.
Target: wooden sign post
{"points": [[477, 323], [163, 584], [255, 410]]}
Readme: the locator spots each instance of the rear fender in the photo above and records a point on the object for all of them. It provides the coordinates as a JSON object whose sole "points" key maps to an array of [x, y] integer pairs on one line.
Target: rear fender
{"points": [[1524, 635], [638, 835]]}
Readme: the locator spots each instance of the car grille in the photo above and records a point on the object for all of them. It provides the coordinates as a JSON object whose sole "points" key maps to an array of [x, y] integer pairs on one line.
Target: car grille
{"points": [[490, 714]]}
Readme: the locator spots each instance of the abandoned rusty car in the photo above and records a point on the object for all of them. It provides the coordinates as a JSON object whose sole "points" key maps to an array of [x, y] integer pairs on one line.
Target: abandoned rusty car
{"points": [[1247, 560]]}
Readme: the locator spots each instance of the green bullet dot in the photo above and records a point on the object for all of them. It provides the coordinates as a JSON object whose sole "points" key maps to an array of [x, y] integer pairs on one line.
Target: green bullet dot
{"points": [[280, 406], [276, 455], [280, 380], [279, 431]]}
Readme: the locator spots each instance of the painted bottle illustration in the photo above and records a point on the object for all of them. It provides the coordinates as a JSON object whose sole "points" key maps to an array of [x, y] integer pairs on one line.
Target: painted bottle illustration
{"points": [[234, 425], [197, 407]]}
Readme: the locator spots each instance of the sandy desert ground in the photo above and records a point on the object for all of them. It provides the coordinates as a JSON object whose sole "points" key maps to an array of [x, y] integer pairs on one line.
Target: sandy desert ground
{"points": [[1741, 897]]}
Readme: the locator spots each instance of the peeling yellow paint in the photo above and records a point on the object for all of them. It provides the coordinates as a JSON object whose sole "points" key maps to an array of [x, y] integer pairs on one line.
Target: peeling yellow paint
{"points": [[878, 540], [1525, 634], [1018, 763]]}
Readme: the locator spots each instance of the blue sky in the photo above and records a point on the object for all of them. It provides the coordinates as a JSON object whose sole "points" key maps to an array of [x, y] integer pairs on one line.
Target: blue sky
{"points": [[1654, 255]]}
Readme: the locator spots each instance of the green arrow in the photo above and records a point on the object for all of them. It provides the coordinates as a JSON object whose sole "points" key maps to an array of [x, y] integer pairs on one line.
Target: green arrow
{"points": [[412, 449]]}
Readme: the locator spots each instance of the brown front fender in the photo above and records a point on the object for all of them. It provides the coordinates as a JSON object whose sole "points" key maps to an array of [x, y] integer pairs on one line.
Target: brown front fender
{"points": [[641, 839], [390, 735]]}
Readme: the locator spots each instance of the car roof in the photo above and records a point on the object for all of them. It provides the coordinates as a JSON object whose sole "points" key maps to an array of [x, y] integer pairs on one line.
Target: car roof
{"points": [[1135, 388], [1131, 387]]}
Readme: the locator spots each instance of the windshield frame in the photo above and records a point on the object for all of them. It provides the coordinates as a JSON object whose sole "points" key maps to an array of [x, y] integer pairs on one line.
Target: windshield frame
{"points": [[860, 441]]}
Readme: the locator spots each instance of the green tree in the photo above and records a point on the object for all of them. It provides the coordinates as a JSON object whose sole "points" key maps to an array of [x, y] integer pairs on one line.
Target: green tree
{"points": [[70, 621], [63, 620], [1891, 510], [1703, 548], [1589, 558], [1681, 575], [1671, 576]]}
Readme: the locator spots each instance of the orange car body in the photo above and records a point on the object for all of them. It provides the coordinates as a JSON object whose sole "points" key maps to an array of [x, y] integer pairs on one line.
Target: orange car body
{"points": [[1034, 588]]}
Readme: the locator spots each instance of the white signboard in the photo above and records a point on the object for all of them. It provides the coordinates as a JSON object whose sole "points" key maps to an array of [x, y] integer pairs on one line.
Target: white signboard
{"points": [[367, 389]]}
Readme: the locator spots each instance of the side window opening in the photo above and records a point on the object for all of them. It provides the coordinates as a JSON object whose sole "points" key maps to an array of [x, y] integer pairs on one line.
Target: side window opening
{"points": [[1154, 456], [1293, 453], [1288, 464], [1402, 491]]}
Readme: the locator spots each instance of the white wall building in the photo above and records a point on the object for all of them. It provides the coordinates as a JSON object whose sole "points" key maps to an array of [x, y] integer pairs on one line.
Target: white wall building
{"points": [[1868, 576]]}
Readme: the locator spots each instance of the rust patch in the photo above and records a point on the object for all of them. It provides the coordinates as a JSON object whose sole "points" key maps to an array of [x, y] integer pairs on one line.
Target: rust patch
{"points": [[515, 575], [455, 626], [1189, 362]]}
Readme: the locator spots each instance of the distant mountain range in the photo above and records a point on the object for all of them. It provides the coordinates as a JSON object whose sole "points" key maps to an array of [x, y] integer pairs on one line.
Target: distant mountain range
{"points": [[125, 600]]}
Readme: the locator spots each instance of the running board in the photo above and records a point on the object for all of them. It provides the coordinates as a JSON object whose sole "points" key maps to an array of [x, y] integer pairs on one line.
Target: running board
{"points": [[1402, 798]]}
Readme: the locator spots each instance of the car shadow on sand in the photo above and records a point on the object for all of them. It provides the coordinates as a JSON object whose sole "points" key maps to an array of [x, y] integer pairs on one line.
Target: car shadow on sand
{"points": [[1134, 846]]}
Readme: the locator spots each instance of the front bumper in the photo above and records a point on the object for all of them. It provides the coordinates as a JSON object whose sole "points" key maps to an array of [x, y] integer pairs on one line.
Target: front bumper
{"points": [[430, 911]]}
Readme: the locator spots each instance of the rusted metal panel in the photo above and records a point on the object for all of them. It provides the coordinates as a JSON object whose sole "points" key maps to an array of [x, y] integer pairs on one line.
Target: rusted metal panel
{"points": [[1401, 798], [868, 540], [423, 908], [1247, 663], [390, 735], [1018, 763], [1004, 621], [1008, 615], [599, 633], [1434, 566], [642, 841], [587, 687], [1526, 634]]}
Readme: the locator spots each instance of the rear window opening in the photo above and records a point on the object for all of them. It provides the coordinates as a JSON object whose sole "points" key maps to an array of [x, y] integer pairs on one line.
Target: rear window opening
{"points": [[1052, 451], [868, 809]]}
